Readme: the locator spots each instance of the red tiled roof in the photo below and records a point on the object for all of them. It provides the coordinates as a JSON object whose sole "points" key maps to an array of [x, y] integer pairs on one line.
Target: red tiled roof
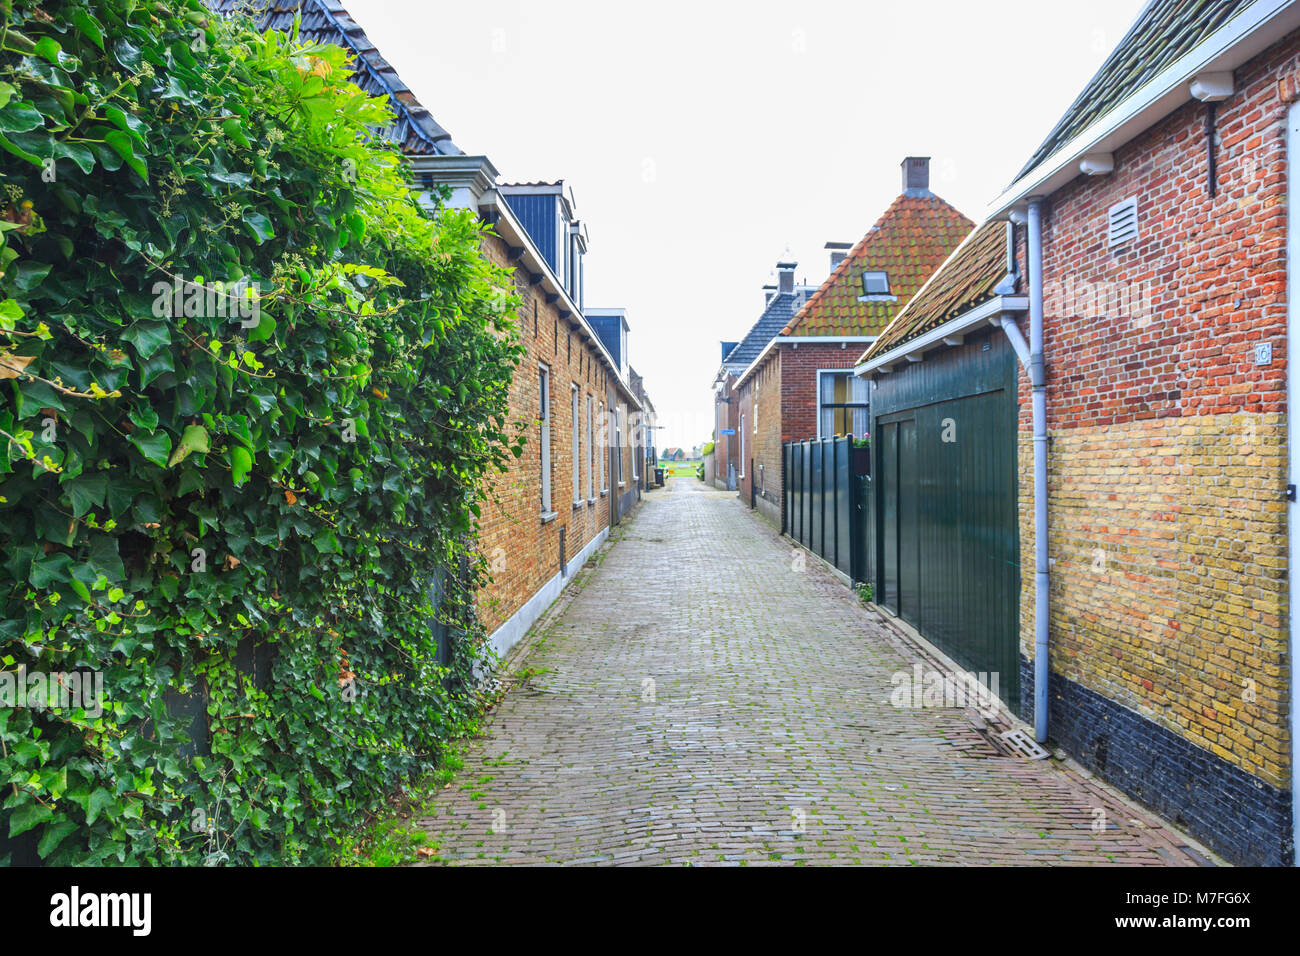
{"points": [[912, 238], [966, 279]]}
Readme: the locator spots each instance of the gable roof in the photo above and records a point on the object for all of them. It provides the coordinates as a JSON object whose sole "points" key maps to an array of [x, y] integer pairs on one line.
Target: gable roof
{"points": [[908, 242], [779, 311], [326, 21], [1164, 31], [968, 277]]}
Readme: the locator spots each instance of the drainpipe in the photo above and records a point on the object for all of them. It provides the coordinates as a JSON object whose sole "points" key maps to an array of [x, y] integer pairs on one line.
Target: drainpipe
{"points": [[1038, 382]]}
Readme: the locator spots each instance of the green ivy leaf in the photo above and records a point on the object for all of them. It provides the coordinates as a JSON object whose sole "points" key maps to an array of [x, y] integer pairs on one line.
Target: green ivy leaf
{"points": [[53, 835], [27, 816], [124, 146], [148, 336], [241, 463], [194, 438], [259, 225], [89, 27], [155, 447]]}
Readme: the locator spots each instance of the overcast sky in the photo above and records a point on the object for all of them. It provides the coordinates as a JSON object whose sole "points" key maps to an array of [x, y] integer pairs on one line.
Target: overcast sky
{"points": [[702, 140]]}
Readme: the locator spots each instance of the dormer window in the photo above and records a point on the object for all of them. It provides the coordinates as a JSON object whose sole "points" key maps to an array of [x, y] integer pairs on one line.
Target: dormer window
{"points": [[875, 288]]}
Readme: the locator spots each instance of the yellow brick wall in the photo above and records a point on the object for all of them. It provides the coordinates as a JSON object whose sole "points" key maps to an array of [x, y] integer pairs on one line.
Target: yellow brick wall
{"points": [[1168, 589]]}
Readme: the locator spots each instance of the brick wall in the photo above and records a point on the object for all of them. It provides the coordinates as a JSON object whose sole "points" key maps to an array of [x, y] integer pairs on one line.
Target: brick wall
{"points": [[799, 368], [786, 388], [726, 448], [522, 550], [1168, 452]]}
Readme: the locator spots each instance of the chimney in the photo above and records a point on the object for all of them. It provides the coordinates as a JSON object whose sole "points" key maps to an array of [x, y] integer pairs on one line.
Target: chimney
{"points": [[769, 290], [785, 276], [916, 175], [838, 251]]}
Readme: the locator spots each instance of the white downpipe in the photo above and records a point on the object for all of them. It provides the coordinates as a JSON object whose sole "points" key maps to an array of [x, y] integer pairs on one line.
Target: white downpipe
{"points": [[1038, 381], [1293, 443]]}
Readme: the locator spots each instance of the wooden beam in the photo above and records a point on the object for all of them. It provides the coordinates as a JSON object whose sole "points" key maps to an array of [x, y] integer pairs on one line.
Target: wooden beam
{"points": [[954, 339]]}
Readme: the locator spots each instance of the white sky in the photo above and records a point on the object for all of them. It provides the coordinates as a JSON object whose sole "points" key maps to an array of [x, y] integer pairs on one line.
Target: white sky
{"points": [[702, 139]]}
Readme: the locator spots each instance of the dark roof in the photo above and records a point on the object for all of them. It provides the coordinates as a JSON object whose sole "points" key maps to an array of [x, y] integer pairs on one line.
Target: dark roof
{"points": [[326, 21], [908, 242], [780, 310], [1163, 32], [966, 279]]}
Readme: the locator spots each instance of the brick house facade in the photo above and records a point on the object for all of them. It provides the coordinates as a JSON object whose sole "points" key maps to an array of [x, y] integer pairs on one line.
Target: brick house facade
{"points": [[531, 552], [1168, 621], [1170, 593], [829, 331], [531, 547]]}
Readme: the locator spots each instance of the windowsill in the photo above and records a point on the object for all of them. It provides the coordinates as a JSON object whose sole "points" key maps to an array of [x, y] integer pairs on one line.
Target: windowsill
{"points": [[579, 504], [622, 484], [592, 501], [604, 492], [549, 516]]}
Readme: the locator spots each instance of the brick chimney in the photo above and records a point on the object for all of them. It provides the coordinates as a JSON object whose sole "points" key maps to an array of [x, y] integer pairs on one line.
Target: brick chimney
{"points": [[839, 250], [785, 276], [916, 175]]}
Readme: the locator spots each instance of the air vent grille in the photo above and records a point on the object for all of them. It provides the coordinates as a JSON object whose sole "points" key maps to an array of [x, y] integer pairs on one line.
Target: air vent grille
{"points": [[1122, 226]]}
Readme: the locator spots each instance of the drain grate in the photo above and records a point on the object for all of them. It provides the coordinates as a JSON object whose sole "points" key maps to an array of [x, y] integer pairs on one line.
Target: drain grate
{"points": [[1024, 745]]}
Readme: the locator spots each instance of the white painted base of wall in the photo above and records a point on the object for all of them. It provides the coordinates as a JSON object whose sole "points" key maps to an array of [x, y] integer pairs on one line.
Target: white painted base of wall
{"points": [[508, 634]]}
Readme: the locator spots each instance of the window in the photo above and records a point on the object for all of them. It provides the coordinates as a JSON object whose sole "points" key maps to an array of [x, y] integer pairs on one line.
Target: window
{"points": [[636, 445], [604, 447], [544, 439], [618, 441], [842, 405], [875, 288], [742, 446], [576, 447], [591, 450]]}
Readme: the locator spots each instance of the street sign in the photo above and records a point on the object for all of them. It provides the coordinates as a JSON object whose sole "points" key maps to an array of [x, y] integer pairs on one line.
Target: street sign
{"points": [[728, 431]]}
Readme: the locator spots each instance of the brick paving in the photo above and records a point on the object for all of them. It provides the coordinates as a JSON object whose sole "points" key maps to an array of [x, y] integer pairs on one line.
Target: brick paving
{"points": [[703, 696]]}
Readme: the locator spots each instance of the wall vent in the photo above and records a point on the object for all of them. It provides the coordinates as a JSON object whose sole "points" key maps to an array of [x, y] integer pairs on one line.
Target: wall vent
{"points": [[1122, 227]]}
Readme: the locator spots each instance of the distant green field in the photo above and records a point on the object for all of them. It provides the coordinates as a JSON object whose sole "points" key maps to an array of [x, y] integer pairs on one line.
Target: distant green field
{"points": [[679, 469]]}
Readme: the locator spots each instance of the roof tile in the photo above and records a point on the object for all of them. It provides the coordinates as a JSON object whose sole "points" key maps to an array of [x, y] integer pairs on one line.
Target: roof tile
{"points": [[909, 241], [966, 279]]}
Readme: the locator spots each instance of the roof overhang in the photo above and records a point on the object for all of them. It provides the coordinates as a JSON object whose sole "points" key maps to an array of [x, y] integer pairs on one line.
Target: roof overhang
{"points": [[1246, 35], [512, 231], [795, 340], [469, 177], [986, 313]]}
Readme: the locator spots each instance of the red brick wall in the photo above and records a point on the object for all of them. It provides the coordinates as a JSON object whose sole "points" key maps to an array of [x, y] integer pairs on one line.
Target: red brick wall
{"points": [[1168, 443], [726, 448], [799, 368], [524, 552]]}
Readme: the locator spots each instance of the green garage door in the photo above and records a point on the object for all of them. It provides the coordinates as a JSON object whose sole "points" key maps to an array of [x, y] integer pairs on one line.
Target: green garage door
{"points": [[948, 538]]}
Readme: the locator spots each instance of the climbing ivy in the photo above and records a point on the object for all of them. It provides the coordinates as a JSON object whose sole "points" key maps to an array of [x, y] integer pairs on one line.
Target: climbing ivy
{"points": [[249, 390]]}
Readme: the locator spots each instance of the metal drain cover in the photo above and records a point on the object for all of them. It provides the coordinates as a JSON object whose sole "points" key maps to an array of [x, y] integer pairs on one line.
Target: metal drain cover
{"points": [[1024, 745]]}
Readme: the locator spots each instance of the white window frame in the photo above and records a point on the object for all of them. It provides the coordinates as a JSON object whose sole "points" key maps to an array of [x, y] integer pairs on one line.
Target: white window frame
{"points": [[544, 435], [575, 451], [591, 449], [742, 446], [603, 417], [817, 398], [636, 443], [618, 443]]}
